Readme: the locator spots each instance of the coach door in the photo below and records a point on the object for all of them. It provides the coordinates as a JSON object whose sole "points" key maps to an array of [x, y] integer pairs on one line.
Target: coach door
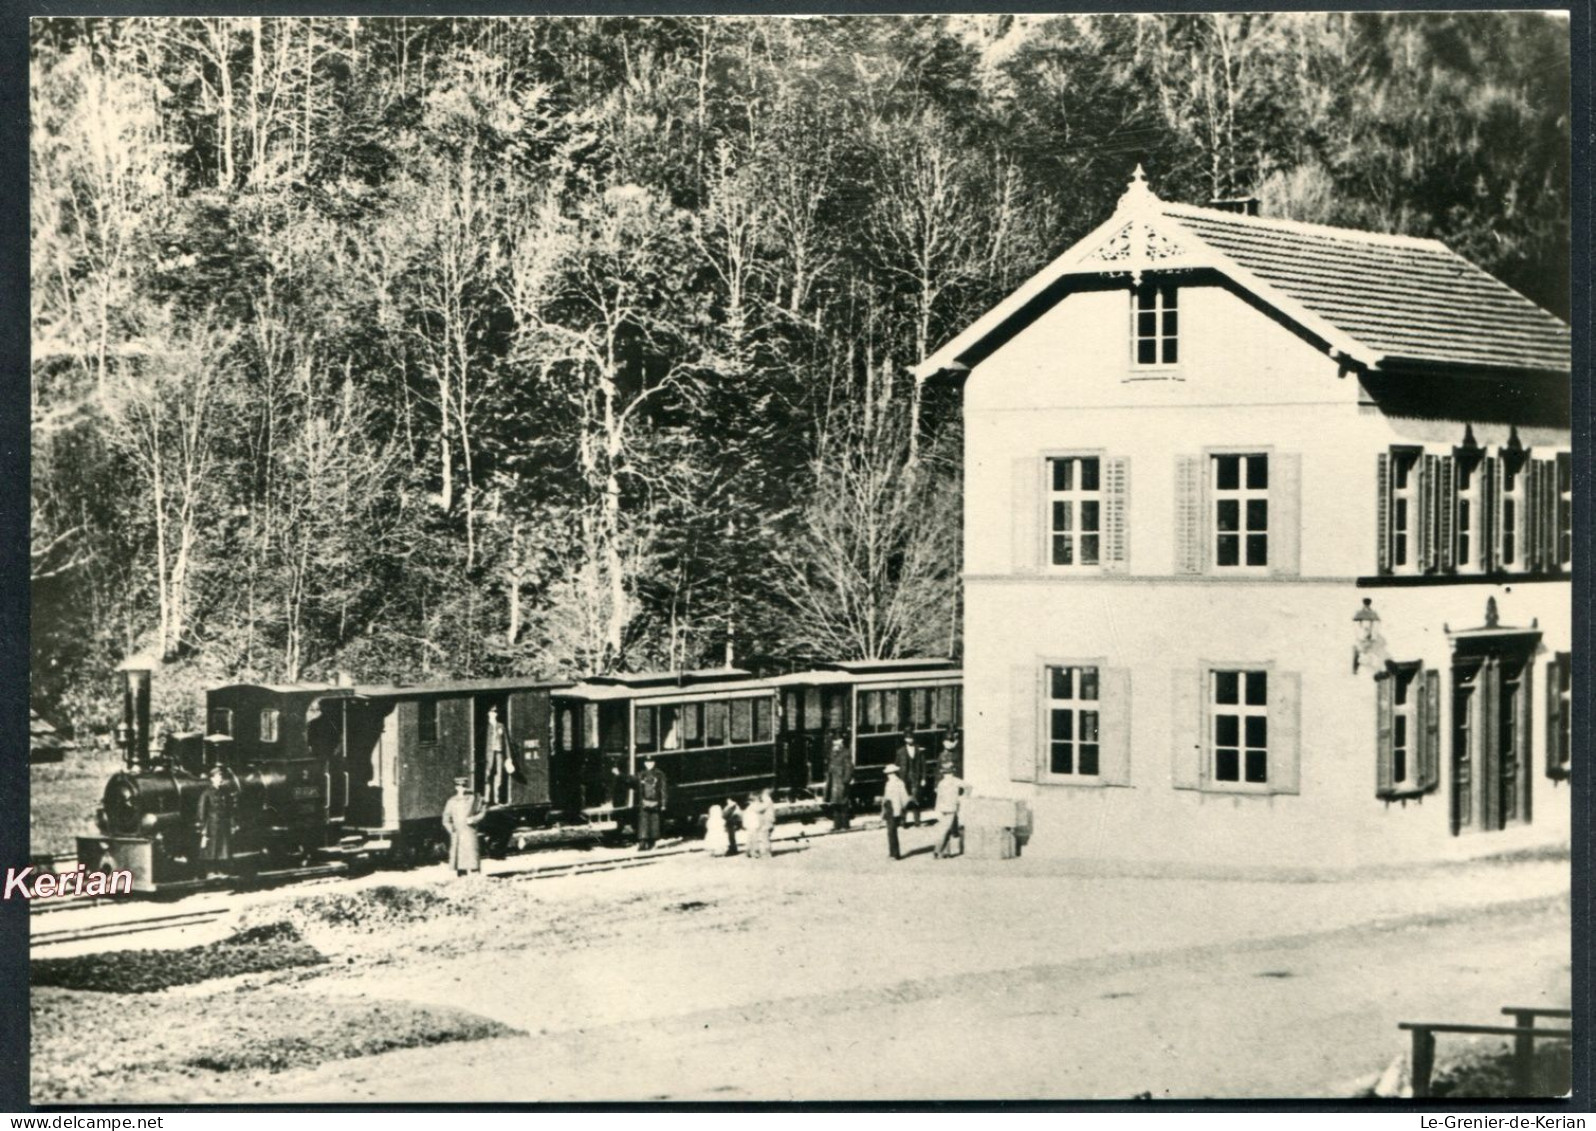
{"points": [[527, 731]]}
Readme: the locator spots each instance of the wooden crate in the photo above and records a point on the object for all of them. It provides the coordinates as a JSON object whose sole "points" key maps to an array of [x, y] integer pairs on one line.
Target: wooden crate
{"points": [[989, 844]]}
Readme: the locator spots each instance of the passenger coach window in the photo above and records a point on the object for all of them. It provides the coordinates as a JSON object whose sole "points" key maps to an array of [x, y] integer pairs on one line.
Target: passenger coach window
{"points": [[221, 722], [814, 720], [427, 720], [692, 727], [268, 725], [645, 730], [742, 720], [590, 727], [944, 708], [762, 713], [715, 723], [889, 711], [670, 735]]}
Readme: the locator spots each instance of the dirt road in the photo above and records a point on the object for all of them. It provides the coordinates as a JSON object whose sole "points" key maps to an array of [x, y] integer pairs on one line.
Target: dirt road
{"points": [[833, 973]]}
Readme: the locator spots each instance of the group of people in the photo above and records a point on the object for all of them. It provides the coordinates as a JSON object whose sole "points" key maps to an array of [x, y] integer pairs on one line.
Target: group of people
{"points": [[906, 780]]}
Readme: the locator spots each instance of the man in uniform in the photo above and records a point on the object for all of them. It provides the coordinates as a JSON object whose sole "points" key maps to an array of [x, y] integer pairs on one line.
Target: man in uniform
{"points": [[839, 776], [912, 763], [215, 821], [650, 789], [461, 815]]}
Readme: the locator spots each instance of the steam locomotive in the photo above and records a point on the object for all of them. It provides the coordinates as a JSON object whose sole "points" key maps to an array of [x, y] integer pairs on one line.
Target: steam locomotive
{"points": [[314, 772]]}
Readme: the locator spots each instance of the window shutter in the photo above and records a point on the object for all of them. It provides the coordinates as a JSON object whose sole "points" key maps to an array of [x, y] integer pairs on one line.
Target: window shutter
{"points": [[1116, 498], [1446, 508], [1523, 746], [1383, 513], [1384, 710], [1187, 724], [1114, 710], [1024, 686], [1285, 514], [1532, 515], [1554, 716], [1190, 552], [1027, 508], [1285, 730], [1548, 515], [1429, 525], [1557, 505], [1491, 512], [1430, 731]]}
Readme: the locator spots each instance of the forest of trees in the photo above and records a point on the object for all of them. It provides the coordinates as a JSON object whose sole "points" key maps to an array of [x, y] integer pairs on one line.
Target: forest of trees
{"points": [[435, 347]]}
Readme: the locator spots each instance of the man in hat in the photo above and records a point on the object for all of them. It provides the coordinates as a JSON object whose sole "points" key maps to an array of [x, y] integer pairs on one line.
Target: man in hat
{"points": [[912, 764], [214, 819], [650, 790], [893, 799], [839, 777], [461, 815], [951, 754], [950, 788]]}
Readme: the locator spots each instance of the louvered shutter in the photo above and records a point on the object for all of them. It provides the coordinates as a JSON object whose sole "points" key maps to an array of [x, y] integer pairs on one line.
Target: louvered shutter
{"points": [[1523, 748], [1554, 716], [1188, 761], [1024, 706], [1446, 516], [1549, 515], [1383, 513], [1531, 519], [1116, 505], [1027, 508], [1563, 459], [1190, 551], [1384, 713], [1430, 731], [1114, 727], [1285, 732], [1429, 525], [1491, 511], [1285, 514]]}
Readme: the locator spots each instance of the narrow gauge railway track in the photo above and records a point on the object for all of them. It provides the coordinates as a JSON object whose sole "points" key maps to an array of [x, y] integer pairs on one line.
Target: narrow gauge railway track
{"points": [[309, 876], [181, 919]]}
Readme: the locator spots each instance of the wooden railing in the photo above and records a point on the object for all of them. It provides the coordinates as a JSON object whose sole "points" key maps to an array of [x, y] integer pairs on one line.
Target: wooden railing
{"points": [[1523, 1032]]}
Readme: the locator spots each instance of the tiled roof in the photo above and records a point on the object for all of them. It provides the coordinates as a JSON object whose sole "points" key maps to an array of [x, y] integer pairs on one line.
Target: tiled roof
{"points": [[1406, 299]]}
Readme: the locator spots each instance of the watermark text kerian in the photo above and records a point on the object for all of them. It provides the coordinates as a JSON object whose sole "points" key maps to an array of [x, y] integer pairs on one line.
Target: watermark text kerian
{"points": [[48, 885]]}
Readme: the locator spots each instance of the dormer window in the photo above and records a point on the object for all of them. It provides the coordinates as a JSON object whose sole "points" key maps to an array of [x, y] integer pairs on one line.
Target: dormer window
{"points": [[1157, 325]]}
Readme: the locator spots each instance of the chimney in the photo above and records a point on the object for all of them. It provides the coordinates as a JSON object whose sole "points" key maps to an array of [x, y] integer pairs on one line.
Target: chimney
{"points": [[1241, 205]]}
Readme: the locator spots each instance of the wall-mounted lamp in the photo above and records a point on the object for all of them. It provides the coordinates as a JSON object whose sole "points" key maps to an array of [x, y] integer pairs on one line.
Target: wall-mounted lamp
{"points": [[1367, 644]]}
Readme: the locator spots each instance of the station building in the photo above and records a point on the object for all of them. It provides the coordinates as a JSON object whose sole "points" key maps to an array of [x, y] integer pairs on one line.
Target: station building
{"points": [[1268, 540]]}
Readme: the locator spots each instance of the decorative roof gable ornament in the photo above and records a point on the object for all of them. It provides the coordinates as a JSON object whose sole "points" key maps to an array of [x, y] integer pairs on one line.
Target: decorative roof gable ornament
{"points": [[1136, 246]]}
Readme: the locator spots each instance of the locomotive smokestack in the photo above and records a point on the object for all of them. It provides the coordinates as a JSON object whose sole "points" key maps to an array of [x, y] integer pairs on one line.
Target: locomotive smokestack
{"points": [[134, 733]]}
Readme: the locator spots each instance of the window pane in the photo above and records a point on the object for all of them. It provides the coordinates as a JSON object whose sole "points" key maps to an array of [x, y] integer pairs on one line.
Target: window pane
{"points": [[1225, 765], [922, 712], [1089, 474], [1257, 731], [1257, 766], [1063, 475], [1399, 689], [1088, 759], [1257, 549], [715, 716], [1171, 354], [691, 731], [762, 719], [1399, 731], [867, 709], [1169, 293], [1089, 515], [1063, 761], [1063, 727], [1088, 728], [1228, 514], [1257, 688], [814, 717], [1145, 298], [1227, 730], [1228, 550], [1063, 515], [268, 725], [670, 733], [1170, 327], [1257, 514], [1226, 687], [889, 709], [742, 720], [1257, 473], [1399, 765], [1227, 472], [1088, 684], [1147, 351], [645, 728], [1089, 549], [1146, 324], [590, 727], [1062, 681], [1062, 552]]}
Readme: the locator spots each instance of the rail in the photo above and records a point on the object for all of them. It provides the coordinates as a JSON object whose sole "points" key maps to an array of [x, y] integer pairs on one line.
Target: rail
{"points": [[1523, 1032]]}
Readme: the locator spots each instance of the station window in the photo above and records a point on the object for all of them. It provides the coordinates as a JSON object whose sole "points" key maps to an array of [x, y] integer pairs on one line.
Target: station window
{"points": [[1075, 513], [268, 725], [1404, 507], [1073, 714], [427, 721], [763, 731], [1509, 536], [1157, 327], [1241, 510], [742, 721], [1467, 508], [1240, 738], [220, 722]]}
